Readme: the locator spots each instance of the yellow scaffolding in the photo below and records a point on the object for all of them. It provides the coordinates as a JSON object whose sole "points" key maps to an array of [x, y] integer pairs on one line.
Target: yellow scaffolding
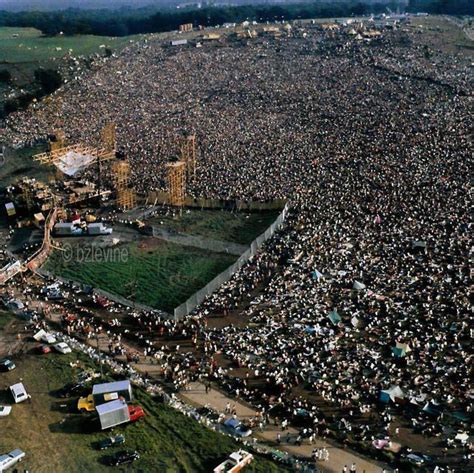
{"points": [[176, 183], [126, 197], [59, 142], [107, 136], [188, 155]]}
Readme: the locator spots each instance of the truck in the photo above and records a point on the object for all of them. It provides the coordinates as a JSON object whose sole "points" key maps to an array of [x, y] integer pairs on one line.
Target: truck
{"points": [[117, 412], [98, 229], [7, 460], [236, 462], [113, 413], [105, 392], [67, 229]]}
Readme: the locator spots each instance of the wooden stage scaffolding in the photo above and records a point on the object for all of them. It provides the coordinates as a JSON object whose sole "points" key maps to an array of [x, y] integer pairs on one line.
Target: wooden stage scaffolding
{"points": [[176, 174], [126, 198]]}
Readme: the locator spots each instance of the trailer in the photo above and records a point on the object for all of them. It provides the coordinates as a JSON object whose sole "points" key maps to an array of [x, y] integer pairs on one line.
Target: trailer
{"points": [[106, 392], [67, 229], [98, 229], [113, 413]]}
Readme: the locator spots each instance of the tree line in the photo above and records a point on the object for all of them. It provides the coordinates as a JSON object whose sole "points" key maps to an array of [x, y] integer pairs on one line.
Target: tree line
{"points": [[125, 22]]}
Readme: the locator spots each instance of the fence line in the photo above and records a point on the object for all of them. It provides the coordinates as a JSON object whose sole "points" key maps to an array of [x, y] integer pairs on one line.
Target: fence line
{"points": [[163, 198], [192, 302]]}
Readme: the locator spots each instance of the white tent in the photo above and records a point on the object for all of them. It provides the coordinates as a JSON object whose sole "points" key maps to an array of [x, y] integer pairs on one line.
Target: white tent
{"points": [[73, 162], [358, 286]]}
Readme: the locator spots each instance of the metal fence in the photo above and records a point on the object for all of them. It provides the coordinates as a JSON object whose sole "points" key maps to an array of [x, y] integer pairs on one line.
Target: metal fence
{"points": [[196, 299]]}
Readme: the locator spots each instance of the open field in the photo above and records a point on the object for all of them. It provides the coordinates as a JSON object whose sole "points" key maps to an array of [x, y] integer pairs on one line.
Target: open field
{"points": [[19, 163], [22, 50], [236, 227], [155, 273], [439, 33], [31, 46], [57, 438]]}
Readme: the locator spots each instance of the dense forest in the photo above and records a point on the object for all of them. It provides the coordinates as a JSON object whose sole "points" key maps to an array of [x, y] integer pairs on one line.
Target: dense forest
{"points": [[123, 22]]}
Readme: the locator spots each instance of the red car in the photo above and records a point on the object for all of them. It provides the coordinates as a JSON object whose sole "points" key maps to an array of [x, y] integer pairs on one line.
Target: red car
{"points": [[135, 413], [44, 349], [102, 301]]}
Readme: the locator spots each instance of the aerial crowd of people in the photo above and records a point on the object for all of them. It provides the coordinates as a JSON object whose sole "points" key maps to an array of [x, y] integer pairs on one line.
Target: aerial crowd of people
{"points": [[365, 289]]}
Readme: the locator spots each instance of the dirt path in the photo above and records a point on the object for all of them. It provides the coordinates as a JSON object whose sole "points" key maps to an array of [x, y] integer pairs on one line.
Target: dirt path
{"points": [[196, 395], [338, 457]]}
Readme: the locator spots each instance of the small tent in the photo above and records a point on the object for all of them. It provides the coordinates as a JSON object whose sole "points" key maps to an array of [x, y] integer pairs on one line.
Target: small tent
{"points": [[317, 275], [334, 317], [391, 394], [358, 286]]}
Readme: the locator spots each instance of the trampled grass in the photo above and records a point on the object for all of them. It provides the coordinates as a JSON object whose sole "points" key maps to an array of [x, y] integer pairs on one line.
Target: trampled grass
{"points": [[155, 273], [236, 227], [19, 163]]}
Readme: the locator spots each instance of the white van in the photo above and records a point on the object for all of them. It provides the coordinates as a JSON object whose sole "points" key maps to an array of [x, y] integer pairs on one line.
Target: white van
{"points": [[19, 392]]}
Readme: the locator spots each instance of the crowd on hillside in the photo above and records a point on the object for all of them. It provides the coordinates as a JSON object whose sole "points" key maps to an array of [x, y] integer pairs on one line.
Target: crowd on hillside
{"points": [[369, 278]]}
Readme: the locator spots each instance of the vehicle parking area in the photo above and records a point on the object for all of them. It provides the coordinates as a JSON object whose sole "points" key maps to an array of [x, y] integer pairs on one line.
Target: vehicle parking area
{"points": [[55, 422]]}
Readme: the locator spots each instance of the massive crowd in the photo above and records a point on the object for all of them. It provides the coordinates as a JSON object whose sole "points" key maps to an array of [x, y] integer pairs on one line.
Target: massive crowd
{"points": [[367, 283]]}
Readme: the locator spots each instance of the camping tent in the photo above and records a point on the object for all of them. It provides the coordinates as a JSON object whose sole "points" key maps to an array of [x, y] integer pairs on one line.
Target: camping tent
{"points": [[334, 317], [387, 395], [358, 286]]}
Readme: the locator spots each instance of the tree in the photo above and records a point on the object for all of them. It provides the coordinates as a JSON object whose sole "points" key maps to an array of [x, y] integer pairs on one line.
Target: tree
{"points": [[5, 76], [48, 79], [11, 105]]}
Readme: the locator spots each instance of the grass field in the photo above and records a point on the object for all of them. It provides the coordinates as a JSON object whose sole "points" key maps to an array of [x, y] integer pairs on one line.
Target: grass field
{"points": [[31, 46], [439, 33], [236, 227], [58, 439], [155, 273], [19, 163], [22, 50]]}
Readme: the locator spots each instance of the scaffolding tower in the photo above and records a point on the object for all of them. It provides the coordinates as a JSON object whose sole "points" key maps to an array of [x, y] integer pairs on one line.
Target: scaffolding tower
{"points": [[107, 136], [28, 198], [176, 182], [59, 140], [126, 197], [188, 155]]}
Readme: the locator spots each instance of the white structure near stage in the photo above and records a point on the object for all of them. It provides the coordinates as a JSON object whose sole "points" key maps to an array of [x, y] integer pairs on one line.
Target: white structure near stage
{"points": [[72, 162]]}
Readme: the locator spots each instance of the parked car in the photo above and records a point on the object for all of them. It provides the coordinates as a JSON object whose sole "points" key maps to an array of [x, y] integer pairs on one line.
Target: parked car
{"points": [[418, 459], [125, 456], [15, 305], [135, 413], [5, 410], [19, 393], [26, 316], [236, 428], [62, 347], [7, 364], [73, 389], [111, 442], [7, 460], [48, 338], [44, 349]]}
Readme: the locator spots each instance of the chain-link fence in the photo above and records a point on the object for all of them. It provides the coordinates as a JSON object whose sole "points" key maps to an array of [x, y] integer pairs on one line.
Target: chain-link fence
{"points": [[196, 299]]}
